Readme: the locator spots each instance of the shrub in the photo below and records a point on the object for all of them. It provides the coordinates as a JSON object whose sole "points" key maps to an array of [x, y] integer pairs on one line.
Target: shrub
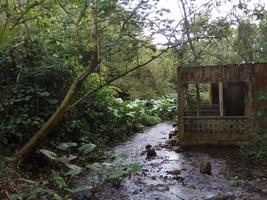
{"points": [[31, 86], [33, 83], [256, 149], [150, 120]]}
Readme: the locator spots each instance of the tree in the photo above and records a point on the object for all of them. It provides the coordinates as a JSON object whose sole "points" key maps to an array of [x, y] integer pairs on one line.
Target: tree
{"points": [[98, 11]]}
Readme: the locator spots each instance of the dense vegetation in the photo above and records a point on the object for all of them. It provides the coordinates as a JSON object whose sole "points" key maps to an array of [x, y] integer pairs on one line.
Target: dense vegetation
{"points": [[255, 150], [124, 80], [31, 94]]}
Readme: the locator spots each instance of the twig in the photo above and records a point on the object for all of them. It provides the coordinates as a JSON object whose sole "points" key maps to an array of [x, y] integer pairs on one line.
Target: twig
{"points": [[18, 21], [67, 13]]}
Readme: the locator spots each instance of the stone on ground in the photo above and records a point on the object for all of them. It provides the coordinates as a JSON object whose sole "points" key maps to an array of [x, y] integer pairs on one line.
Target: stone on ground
{"points": [[205, 167]]}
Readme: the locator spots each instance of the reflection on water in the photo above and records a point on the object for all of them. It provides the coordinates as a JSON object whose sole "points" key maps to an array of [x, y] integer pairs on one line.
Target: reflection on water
{"points": [[173, 175]]}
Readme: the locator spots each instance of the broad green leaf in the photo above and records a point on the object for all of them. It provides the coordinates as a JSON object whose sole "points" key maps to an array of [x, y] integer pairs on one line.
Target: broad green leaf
{"points": [[87, 148], [57, 197], [66, 160], [95, 167], [71, 157], [66, 145], [82, 188], [44, 94], [58, 179], [49, 154], [71, 166], [29, 181], [74, 170], [37, 192], [123, 156], [116, 173], [134, 167]]}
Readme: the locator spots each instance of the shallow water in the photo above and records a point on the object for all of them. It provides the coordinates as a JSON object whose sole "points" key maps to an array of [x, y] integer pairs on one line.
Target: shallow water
{"points": [[172, 175]]}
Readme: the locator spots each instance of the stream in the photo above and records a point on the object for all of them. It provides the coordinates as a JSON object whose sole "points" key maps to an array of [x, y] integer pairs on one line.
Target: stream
{"points": [[175, 174]]}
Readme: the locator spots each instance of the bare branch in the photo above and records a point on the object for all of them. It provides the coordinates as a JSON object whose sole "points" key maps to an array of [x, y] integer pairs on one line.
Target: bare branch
{"points": [[82, 13], [118, 77], [67, 13], [129, 71], [18, 20]]}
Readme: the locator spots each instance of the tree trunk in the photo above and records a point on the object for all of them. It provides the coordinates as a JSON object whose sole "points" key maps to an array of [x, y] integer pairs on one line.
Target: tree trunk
{"points": [[38, 138], [24, 152], [67, 103]]}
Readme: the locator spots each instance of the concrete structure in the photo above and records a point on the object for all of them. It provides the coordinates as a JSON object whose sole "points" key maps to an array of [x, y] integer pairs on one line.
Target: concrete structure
{"points": [[226, 117]]}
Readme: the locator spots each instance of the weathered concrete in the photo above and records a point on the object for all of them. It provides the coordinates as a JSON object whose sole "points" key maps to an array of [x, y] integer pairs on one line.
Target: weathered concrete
{"points": [[252, 78], [192, 139]]}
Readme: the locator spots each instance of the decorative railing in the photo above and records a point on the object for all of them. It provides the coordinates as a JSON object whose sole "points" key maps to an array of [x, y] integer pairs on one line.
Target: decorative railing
{"points": [[203, 110], [214, 124]]}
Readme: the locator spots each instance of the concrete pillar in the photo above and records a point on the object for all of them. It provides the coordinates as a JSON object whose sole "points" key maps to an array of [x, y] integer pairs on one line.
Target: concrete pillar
{"points": [[210, 93], [221, 99], [198, 98], [248, 102], [180, 104]]}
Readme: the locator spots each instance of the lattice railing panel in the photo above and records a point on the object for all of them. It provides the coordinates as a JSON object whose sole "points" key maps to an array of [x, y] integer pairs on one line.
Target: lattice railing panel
{"points": [[217, 124]]}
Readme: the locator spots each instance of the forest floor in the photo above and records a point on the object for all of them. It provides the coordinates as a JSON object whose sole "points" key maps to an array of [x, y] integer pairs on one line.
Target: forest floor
{"points": [[175, 174]]}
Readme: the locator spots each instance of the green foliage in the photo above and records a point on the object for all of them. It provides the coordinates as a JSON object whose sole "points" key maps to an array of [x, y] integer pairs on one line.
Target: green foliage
{"points": [[235, 181], [95, 167], [163, 107], [49, 154], [154, 80], [147, 112], [58, 179], [261, 114], [256, 149], [114, 173], [45, 44], [150, 120], [58, 183], [87, 148], [66, 166], [66, 146], [33, 90], [107, 119], [31, 87], [45, 49], [35, 189]]}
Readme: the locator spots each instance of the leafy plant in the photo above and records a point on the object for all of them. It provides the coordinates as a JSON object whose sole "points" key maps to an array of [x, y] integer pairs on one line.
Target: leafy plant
{"points": [[63, 159], [115, 173], [255, 150], [149, 120], [235, 180], [67, 166]]}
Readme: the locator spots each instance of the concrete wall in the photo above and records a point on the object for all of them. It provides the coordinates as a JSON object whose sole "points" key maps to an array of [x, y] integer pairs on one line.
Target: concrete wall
{"points": [[255, 76], [259, 84], [191, 139]]}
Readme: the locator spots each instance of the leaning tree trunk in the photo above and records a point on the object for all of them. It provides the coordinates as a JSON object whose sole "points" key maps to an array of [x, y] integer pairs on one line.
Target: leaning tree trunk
{"points": [[38, 138], [24, 152]]}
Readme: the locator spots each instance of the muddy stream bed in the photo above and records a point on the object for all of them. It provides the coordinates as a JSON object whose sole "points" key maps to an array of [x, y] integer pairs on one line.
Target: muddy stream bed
{"points": [[175, 174]]}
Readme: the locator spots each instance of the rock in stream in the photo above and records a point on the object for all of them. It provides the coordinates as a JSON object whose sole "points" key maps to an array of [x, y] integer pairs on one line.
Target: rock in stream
{"points": [[172, 174]]}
